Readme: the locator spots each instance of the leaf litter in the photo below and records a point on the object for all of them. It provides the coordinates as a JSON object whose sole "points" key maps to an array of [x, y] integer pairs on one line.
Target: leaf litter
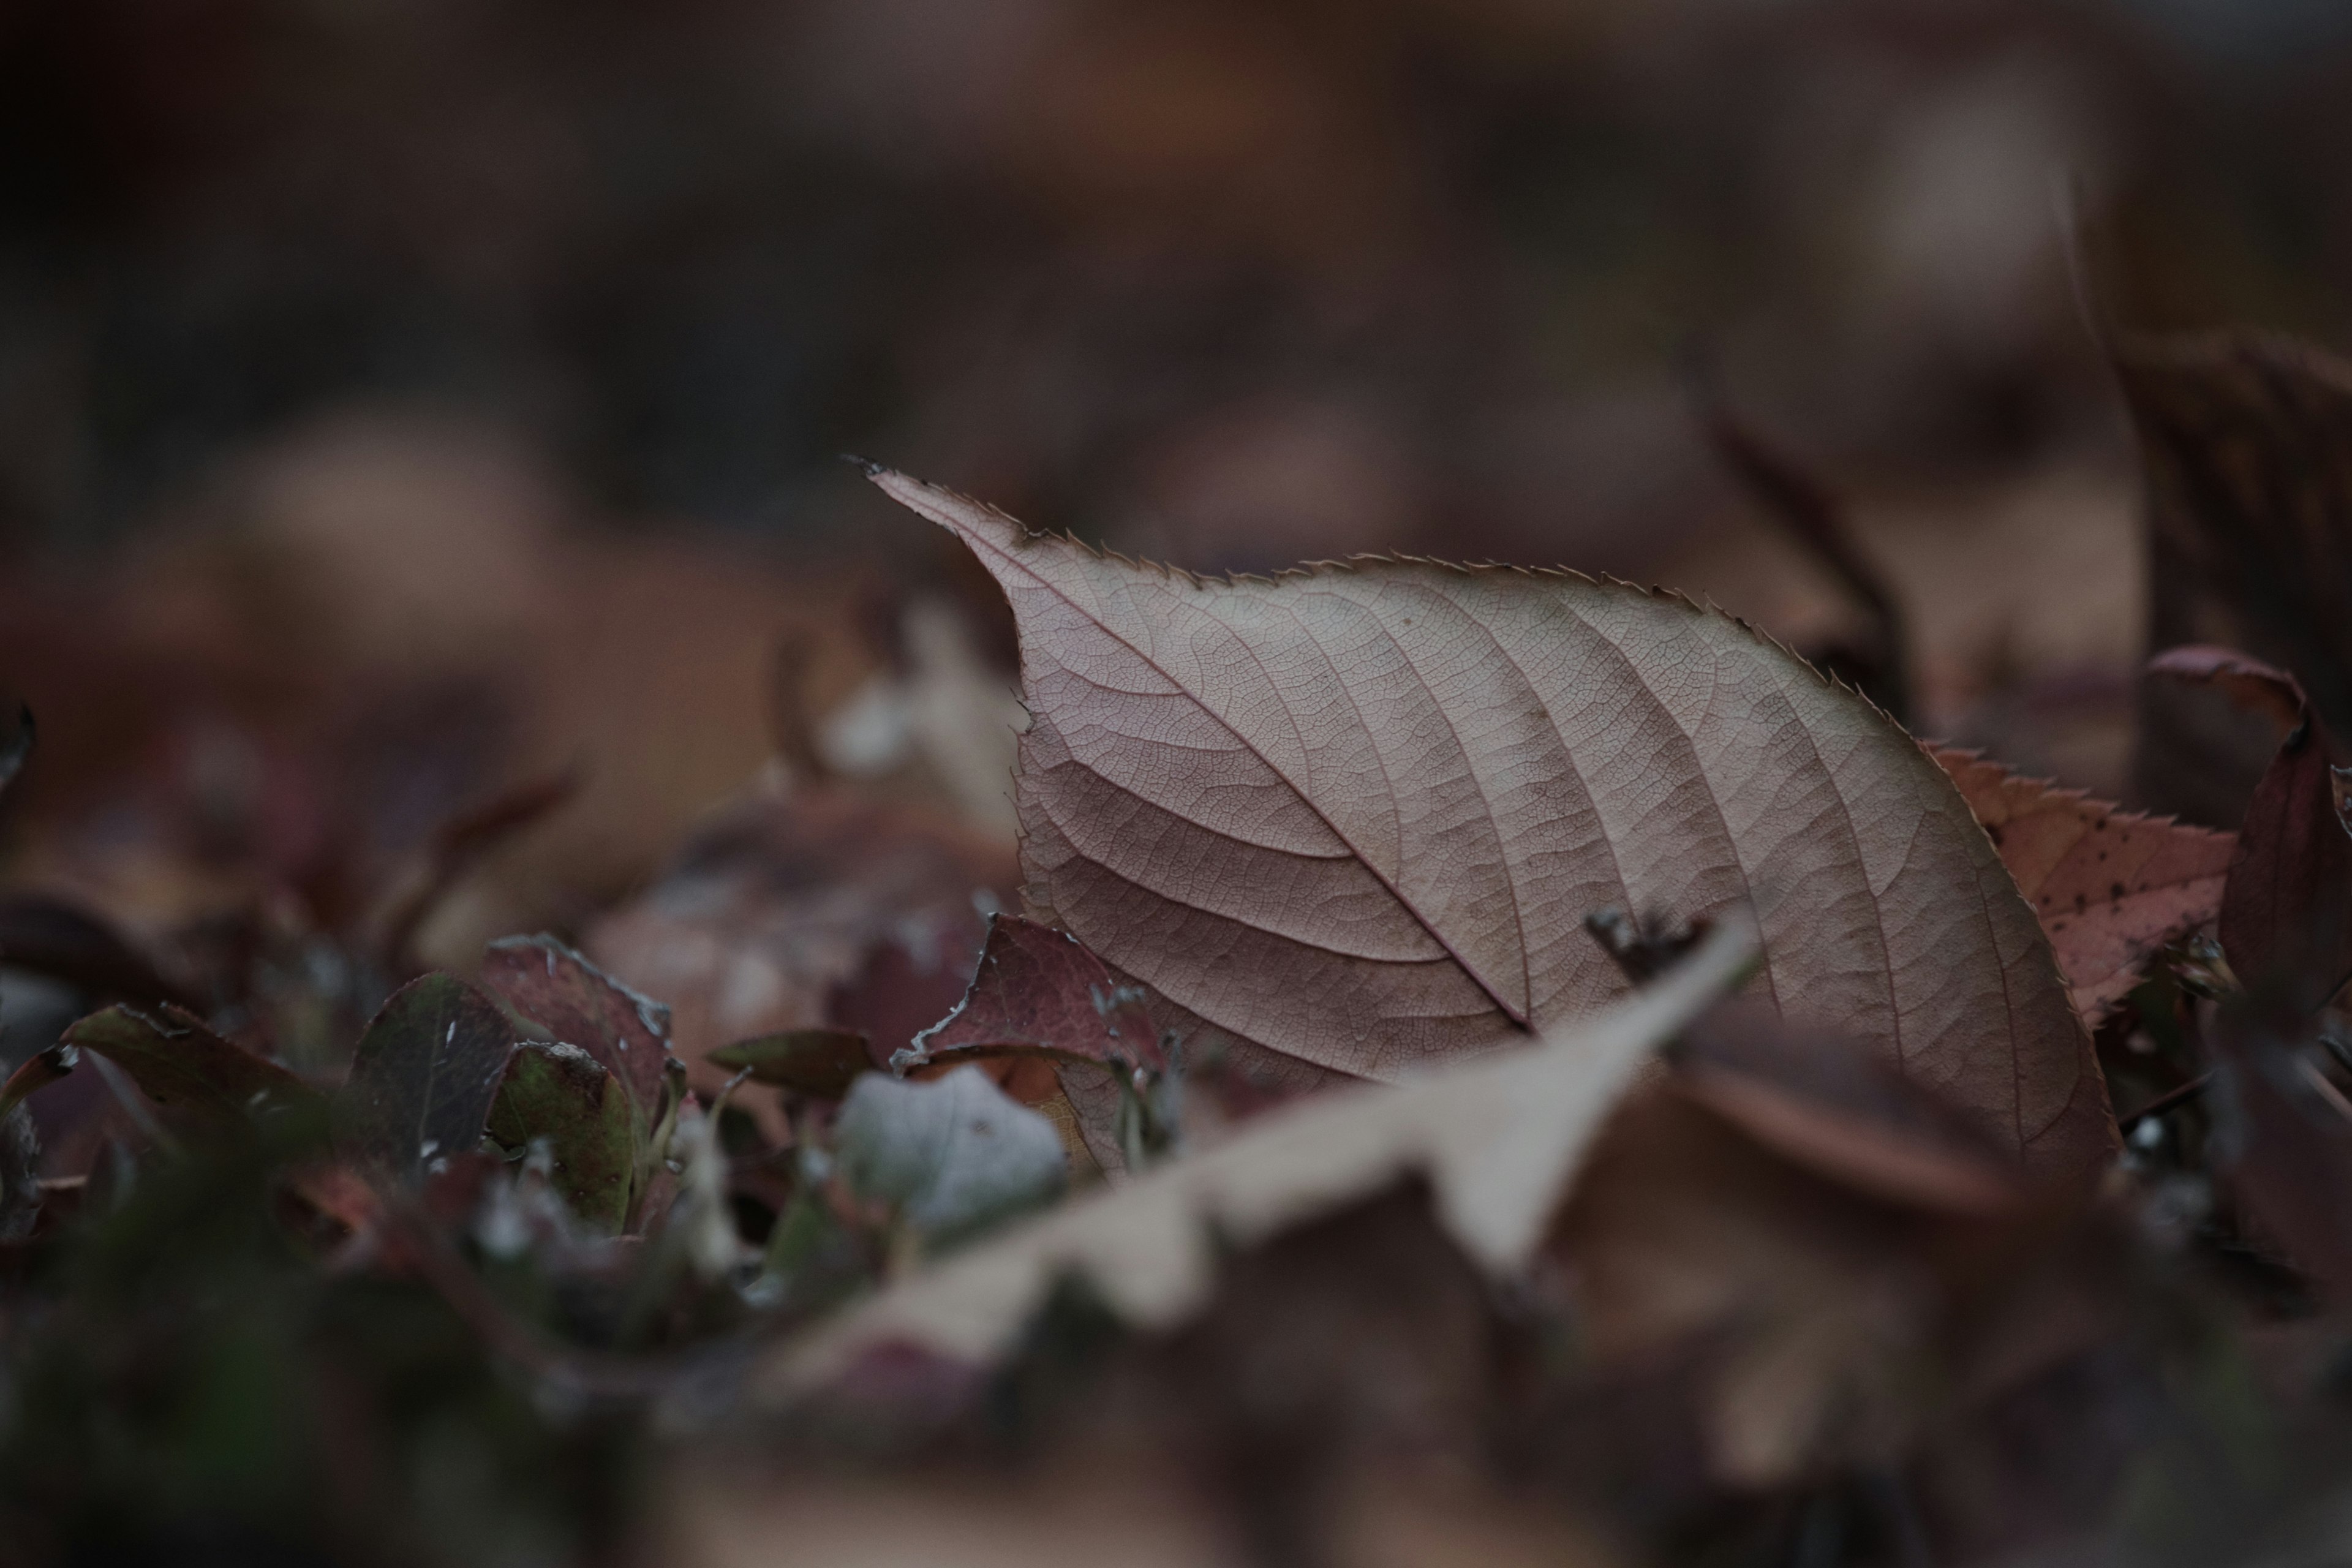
{"points": [[1460, 1023]]}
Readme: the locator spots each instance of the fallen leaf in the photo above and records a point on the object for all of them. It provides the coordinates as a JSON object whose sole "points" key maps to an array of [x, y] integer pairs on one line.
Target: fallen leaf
{"points": [[2253, 686], [823, 1063], [2283, 1136], [556, 989], [187, 1069], [2286, 912], [1039, 989], [558, 1093], [1821, 1322], [950, 1157], [2247, 442], [1835, 1108], [2112, 887], [1356, 814], [1039, 994], [1497, 1138], [808, 910], [423, 1079]]}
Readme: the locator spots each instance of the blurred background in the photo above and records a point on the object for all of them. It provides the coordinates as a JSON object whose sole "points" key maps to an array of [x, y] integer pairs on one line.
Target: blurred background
{"points": [[395, 398]]}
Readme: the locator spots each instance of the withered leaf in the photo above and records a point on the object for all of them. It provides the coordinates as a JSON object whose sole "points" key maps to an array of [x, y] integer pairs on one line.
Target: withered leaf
{"points": [[187, 1069], [2286, 912], [1829, 1105], [1039, 989], [2112, 887], [1356, 815], [2285, 1136], [555, 989], [558, 1093], [819, 1062], [2247, 442], [423, 1079], [1498, 1139]]}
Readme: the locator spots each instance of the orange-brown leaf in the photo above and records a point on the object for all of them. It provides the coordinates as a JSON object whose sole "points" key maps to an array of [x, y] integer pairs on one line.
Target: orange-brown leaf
{"points": [[2112, 887]]}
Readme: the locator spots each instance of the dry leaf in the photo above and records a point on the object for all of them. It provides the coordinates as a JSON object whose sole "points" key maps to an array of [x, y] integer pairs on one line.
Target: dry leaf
{"points": [[2112, 887], [2247, 439], [578, 1004], [809, 910], [2286, 912], [1498, 1139], [1356, 815]]}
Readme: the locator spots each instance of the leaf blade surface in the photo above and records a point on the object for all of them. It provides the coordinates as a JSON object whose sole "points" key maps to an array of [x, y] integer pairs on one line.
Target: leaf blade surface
{"points": [[1356, 816]]}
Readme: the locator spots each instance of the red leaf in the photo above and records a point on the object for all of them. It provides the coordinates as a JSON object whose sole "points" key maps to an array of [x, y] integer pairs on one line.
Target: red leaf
{"points": [[1038, 989], [2286, 912], [577, 1003]]}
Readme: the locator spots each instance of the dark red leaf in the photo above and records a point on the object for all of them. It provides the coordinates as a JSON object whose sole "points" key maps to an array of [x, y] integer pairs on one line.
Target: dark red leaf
{"points": [[2283, 1137], [556, 991], [1038, 989], [2286, 909]]}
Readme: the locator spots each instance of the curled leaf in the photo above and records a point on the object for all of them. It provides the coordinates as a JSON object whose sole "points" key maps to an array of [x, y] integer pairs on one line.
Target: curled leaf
{"points": [[1498, 1139], [1354, 814]]}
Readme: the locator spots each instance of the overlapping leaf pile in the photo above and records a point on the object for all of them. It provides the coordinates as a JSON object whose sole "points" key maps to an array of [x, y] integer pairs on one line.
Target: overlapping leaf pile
{"points": [[1476, 1034]]}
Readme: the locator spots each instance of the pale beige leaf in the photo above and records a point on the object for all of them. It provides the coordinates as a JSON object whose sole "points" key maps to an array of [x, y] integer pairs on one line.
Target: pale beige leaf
{"points": [[2112, 887], [1497, 1138], [1356, 816]]}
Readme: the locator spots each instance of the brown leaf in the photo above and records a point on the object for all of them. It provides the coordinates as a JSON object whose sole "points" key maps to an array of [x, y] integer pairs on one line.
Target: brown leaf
{"points": [[580, 1004], [1499, 1139], [2112, 887], [1830, 1106], [2253, 686], [808, 910], [2286, 912], [2247, 440], [2285, 1137], [1355, 816], [187, 1069], [1823, 1322]]}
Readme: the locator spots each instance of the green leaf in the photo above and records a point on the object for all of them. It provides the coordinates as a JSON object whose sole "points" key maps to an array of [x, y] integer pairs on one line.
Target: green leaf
{"points": [[823, 1063], [190, 1072], [952, 1155], [423, 1079], [560, 1094]]}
